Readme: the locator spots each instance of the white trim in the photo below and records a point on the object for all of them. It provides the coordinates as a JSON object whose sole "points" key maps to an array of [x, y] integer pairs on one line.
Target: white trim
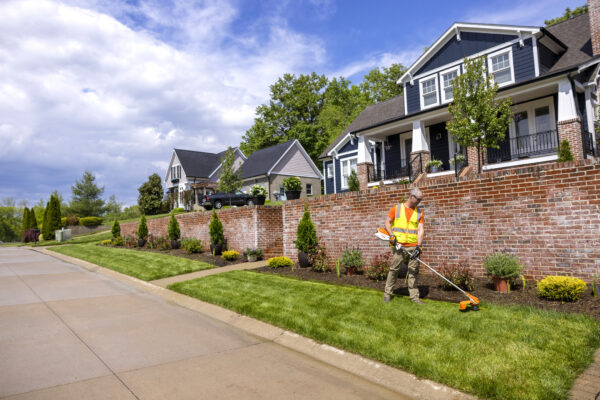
{"points": [[442, 92], [339, 144], [442, 173], [536, 57], [510, 62], [349, 166], [567, 109], [437, 91], [347, 152], [280, 158], [405, 102], [519, 162], [306, 156], [588, 64], [334, 176]]}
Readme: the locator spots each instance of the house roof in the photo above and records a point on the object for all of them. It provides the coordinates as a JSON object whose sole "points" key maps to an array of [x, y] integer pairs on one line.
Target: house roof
{"points": [[198, 164], [387, 110], [261, 161], [576, 36]]}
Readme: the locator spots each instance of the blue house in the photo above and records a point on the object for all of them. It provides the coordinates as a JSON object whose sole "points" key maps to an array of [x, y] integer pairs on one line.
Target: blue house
{"points": [[550, 74]]}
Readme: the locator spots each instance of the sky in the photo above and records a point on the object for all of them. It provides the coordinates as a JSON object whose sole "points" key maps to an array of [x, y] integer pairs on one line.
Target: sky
{"points": [[112, 86]]}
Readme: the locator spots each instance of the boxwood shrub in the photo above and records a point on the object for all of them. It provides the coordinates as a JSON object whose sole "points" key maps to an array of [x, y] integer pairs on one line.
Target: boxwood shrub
{"points": [[561, 288], [90, 221], [278, 262], [230, 255]]}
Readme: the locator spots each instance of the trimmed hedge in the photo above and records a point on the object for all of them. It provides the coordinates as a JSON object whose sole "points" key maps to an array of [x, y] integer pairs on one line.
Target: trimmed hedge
{"points": [[90, 221], [561, 288], [278, 262]]}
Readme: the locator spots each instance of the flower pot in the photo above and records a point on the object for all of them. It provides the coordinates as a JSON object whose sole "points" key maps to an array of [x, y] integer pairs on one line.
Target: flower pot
{"points": [[292, 194], [350, 271], [252, 258], [141, 242], [303, 259], [434, 169], [216, 249], [500, 284], [259, 200], [174, 244]]}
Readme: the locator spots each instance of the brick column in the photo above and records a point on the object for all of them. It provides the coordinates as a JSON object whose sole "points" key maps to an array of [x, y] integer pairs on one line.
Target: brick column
{"points": [[570, 130], [425, 157], [364, 170], [473, 159]]}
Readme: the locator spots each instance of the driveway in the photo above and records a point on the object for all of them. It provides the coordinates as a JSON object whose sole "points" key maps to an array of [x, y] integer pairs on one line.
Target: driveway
{"points": [[69, 333]]}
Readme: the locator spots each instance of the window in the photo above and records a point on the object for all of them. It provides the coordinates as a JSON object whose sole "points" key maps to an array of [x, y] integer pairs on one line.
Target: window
{"points": [[500, 65], [348, 165], [329, 170], [429, 96], [542, 119], [447, 81], [176, 172], [309, 189]]}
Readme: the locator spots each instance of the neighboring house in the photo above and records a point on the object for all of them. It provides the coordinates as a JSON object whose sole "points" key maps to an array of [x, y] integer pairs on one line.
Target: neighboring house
{"points": [[270, 166], [195, 171], [550, 74]]}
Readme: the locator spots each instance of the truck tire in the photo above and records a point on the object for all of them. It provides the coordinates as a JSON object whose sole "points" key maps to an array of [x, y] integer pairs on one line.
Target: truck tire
{"points": [[218, 204]]}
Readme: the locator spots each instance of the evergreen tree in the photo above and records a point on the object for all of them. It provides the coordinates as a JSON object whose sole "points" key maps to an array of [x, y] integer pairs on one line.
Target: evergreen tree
{"points": [[26, 219], [306, 234], [51, 218], [32, 219], [173, 229], [151, 195], [116, 229], [46, 222], [142, 228], [57, 221], [230, 180], [564, 152], [215, 229], [86, 200], [353, 182]]}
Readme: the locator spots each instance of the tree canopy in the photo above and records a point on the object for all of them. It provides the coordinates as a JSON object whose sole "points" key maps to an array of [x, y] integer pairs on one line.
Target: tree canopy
{"points": [[568, 14], [151, 195], [230, 179], [86, 200]]}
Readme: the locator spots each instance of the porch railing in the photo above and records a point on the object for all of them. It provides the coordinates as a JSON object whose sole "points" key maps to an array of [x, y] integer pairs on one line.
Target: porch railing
{"points": [[536, 144], [407, 171], [587, 140]]}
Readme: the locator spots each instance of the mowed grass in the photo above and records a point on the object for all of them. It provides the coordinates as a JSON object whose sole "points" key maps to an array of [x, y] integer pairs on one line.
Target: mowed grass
{"points": [[498, 352], [142, 265], [82, 239]]}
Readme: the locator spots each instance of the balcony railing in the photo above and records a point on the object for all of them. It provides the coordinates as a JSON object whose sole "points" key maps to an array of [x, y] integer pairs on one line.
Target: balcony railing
{"points": [[587, 140], [406, 172], [533, 145]]}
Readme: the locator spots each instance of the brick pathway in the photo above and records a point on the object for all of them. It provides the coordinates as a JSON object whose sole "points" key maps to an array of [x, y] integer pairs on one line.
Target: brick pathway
{"points": [[587, 385]]}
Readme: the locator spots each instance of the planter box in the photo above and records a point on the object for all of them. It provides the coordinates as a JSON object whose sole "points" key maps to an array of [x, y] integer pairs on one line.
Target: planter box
{"points": [[259, 200], [292, 194]]}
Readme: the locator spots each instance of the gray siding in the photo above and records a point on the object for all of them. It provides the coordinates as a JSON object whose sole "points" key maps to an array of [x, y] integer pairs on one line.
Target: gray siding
{"points": [[523, 61], [294, 163], [412, 97], [470, 43], [547, 58]]}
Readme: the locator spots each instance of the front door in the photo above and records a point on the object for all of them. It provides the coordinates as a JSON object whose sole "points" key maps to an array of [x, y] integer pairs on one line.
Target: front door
{"points": [[438, 136], [407, 150]]}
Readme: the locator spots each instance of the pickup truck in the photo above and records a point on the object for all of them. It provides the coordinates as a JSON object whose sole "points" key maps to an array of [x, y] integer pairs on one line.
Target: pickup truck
{"points": [[218, 200]]}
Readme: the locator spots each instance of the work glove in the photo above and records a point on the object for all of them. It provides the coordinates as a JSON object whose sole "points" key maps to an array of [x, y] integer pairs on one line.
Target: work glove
{"points": [[393, 240], [416, 253]]}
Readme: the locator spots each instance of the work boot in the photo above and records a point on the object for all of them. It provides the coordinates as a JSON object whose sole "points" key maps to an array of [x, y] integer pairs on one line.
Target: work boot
{"points": [[387, 298], [417, 301]]}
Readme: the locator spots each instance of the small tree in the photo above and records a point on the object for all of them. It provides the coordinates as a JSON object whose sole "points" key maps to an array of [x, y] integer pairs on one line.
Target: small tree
{"points": [[215, 229], [86, 200], [142, 228], [478, 119], [564, 151], [306, 234], [353, 183], [173, 229], [230, 180], [116, 229], [151, 195]]}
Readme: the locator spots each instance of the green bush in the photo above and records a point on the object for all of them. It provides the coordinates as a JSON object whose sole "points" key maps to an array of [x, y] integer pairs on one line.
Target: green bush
{"points": [[191, 245], [72, 220], [163, 243], [502, 265], [292, 183], [215, 229], [116, 229], [106, 242], [253, 252], [173, 229], [562, 288], [258, 190], [230, 255], [118, 241], [179, 210], [353, 182], [459, 274], [130, 242], [142, 228], [90, 221], [378, 271], [306, 234], [352, 259], [279, 262], [319, 260], [564, 152]]}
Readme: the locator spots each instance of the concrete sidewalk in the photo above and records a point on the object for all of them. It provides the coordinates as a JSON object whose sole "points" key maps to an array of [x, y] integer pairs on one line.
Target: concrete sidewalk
{"points": [[199, 274]]}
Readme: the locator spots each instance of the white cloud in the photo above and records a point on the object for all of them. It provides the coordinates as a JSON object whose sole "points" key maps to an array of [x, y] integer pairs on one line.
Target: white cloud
{"points": [[362, 67]]}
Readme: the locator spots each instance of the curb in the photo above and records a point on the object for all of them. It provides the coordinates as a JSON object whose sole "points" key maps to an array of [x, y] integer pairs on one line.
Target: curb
{"points": [[401, 382]]}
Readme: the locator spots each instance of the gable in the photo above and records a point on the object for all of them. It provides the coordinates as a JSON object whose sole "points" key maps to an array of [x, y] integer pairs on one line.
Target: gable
{"points": [[349, 146], [295, 163], [174, 162]]}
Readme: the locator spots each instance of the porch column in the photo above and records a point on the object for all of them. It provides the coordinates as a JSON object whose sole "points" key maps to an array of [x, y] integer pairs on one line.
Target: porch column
{"points": [[419, 146], [364, 163], [569, 122]]}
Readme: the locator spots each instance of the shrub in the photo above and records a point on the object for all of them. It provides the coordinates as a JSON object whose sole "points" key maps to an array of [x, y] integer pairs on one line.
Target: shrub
{"points": [[279, 262], [191, 245], [502, 265], [258, 190], [63, 221], [353, 182], [116, 229], [142, 228], [319, 260], [378, 271], [433, 163], [106, 242], [173, 229], [72, 220], [118, 241], [459, 274], [162, 243], [352, 259], [460, 158], [215, 229], [253, 252], [130, 242], [306, 234], [292, 183], [30, 235], [562, 288], [564, 152], [230, 255], [90, 221]]}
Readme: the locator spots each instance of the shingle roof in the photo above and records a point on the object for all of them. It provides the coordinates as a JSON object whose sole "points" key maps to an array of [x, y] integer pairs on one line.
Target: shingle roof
{"points": [[575, 34], [261, 161], [374, 114], [198, 164]]}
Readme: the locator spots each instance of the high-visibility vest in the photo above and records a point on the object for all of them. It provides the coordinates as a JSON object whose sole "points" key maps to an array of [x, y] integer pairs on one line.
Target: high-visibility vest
{"points": [[406, 231]]}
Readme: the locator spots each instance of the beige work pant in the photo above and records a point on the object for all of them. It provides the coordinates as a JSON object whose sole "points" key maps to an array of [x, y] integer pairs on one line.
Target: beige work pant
{"points": [[401, 258]]}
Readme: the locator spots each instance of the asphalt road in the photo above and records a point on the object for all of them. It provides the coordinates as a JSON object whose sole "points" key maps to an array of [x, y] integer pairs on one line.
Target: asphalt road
{"points": [[69, 333]]}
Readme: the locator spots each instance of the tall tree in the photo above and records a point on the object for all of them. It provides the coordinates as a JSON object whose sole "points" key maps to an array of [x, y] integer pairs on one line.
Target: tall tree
{"points": [[151, 195], [478, 119], [10, 221], [51, 218], [33, 224], [380, 84], [86, 200], [230, 179], [26, 218], [568, 14]]}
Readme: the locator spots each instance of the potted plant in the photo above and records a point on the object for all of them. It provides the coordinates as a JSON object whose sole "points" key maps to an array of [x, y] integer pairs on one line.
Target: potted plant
{"points": [[217, 239], [293, 187], [353, 261], [142, 231], [306, 239], [252, 255], [433, 166], [259, 194], [461, 161], [502, 268], [174, 232]]}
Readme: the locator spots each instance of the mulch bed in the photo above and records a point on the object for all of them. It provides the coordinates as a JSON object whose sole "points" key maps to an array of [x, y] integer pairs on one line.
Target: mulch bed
{"points": [[430, 287], [206, 257]]}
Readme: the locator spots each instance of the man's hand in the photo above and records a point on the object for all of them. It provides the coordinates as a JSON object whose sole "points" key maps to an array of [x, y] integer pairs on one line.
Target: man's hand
{"points": [[393, 240], [416, 253]]}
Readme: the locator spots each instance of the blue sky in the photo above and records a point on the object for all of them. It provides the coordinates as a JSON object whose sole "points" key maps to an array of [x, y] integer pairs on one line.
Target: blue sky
{"points": [[113, 86]]}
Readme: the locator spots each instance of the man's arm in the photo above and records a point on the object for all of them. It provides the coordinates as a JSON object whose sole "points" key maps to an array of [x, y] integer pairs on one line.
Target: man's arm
{"points": [[388, 225], [420, 234]]}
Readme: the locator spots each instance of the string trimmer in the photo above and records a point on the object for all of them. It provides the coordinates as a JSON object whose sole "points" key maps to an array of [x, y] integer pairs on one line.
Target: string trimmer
{"points": [[472, 303]]}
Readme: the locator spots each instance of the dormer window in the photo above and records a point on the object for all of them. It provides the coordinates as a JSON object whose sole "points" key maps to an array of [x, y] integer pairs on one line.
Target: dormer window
{"points": [[501, 67], [429, 92], [175, 172], [447, 82]]}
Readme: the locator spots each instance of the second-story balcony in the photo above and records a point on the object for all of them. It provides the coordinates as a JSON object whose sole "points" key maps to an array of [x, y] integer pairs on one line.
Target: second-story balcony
{"points": [[533, 145]]}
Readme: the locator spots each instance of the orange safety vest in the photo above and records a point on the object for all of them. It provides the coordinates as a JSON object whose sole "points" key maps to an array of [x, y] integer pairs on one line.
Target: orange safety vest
{"points": [[406, 231]]}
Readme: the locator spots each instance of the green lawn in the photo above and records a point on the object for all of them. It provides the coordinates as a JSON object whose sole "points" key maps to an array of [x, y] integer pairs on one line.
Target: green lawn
{"points": [[498, 353], [82, 239], [146, 266]]}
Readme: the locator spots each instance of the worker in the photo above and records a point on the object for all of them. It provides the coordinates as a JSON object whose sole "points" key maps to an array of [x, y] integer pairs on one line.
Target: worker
{"points": [[405, 224]]}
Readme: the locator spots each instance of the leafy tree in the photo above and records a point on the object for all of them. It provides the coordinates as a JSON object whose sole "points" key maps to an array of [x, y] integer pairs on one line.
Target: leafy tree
{"points": [[86, 200], [353, 182], [173, 228], [568, 14], [230, 180], [142, 228], [151, 195], [343, 103], [306, 233], [478, 119], [215, 230], [10, 222], [564, 152], [380, 84], [116, 229]]}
